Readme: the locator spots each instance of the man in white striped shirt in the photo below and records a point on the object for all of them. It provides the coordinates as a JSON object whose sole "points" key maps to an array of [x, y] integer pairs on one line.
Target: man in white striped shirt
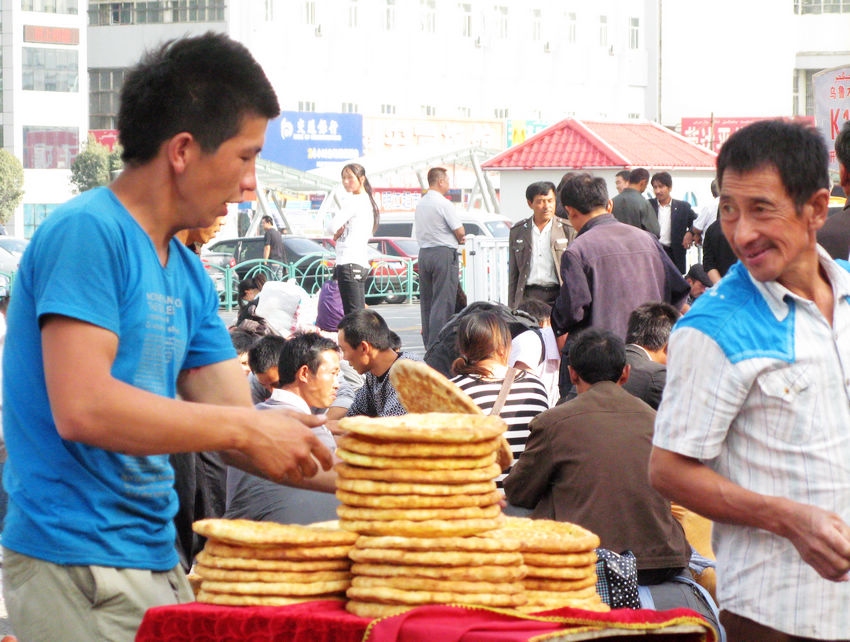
{"points": [[754, 426]]}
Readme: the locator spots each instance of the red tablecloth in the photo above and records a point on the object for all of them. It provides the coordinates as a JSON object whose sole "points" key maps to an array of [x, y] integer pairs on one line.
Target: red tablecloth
{"points": [[329, 621]]}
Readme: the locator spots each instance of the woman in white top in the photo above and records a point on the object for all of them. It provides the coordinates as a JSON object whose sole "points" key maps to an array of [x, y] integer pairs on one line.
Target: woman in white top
{"points": [[352, 226]]}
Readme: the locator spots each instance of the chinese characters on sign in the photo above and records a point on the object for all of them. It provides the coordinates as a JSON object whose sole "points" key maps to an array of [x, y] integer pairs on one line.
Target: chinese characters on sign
{"points": [[699, 130], [306, 140], [831, 89]]}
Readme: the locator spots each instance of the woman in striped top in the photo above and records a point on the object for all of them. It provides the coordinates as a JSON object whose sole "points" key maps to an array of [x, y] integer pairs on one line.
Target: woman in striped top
{"points": [[484, 341]]}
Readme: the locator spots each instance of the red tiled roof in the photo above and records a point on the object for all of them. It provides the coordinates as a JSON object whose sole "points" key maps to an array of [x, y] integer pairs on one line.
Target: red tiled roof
{"points": [[575, 144]]}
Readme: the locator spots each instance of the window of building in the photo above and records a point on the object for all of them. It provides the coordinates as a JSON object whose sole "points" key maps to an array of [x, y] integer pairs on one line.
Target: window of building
{"points": [[634, 33], [51, 6], [352, 13], [306, 105], [502, 22], [501, 112], [429, 110], [464, 112], [34, 215], [603, 31], [104, 97], [821, 6], [633, 116], [571, 28], [389, 15], [350, 108], [310, 12], [158, 11], [466, 20], [536, 24], [50, 147], [795, 93], [49, 69], [428, 23], [387, 109]]}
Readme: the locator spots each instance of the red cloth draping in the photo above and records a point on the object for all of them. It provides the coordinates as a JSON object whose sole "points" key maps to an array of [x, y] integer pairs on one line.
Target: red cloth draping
{"points": [[328, 621]]}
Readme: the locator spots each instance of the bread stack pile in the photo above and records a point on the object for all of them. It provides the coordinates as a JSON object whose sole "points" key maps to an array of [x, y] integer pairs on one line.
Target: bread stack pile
{"points": [[560, 559], [268, 564], [419, 488]]}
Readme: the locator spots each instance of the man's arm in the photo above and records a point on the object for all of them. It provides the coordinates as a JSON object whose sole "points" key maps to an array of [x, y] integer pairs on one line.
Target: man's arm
{"points": [[821, 537], [690, 217], [649, 219], [574, 298], [266, 251], [459, 234], [89, 405], [513, 270]]}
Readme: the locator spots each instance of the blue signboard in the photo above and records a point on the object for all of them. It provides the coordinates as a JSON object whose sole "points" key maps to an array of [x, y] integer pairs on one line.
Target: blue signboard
{"points": [[307, 139]]}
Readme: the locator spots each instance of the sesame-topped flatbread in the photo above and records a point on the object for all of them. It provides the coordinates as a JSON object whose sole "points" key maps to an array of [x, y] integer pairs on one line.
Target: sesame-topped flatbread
{"points": [[416, 463], [435, 427], [417, 501], [460, 476], [291, 553], [438, 543], [366, 487], [548, 536], [246, 532], [252, 564], [420, 389], [383, 448]]}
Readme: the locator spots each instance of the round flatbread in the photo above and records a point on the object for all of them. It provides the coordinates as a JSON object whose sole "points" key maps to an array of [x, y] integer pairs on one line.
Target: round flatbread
{"points": [[435, 427], [435, 558], [540, 584], [561, 572], [389, 595], [246, 532], [347, 513], [292, 553], [560, 559], [422, 389], [427, 528], [449, 573], [438, 543], [298, 577], [374, 610], [427, 584], [417, 501], [465, 476], [549, 536], [594, 604], [366, 487], [248, 564], [289, 589], [225, 599], [416, 463], [413, 449], [547, 597]]}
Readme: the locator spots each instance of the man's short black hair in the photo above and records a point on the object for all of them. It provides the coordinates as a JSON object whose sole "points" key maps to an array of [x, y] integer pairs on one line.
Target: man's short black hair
{"points": [[435, 174], [540, 310], [637, 175], [650, 325], [302, 349], [598, 355], [242, 340], [368, 326], [662, 177], [624, 174], [540, 188], [265, 353], [714, 191], [267, 219], [797, 152], [842, 145], [205, 85], [584, 193]]}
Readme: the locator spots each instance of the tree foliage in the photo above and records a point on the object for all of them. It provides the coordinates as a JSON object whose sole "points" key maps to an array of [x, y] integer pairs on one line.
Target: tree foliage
{"points": [[94, 165], [11, 184]]}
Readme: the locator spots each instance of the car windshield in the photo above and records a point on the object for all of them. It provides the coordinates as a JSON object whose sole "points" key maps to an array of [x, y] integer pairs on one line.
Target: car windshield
{"points": [[225, 247], [302, 246], [15, 246], [499, 229], [408, 246]]}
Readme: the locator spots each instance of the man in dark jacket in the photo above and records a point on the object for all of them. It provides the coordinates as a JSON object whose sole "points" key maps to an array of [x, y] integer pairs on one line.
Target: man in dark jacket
{"points": [[675, 218], [834, 236], [650, 325], [630, 207]]}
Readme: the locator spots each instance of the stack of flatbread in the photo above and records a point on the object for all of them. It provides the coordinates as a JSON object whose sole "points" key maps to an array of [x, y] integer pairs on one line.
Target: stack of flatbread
{"points": [[560, 559], [268, 564]]}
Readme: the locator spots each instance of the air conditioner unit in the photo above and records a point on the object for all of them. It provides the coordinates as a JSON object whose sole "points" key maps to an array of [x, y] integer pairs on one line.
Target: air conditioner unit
{"points": [[318, 31], [547, 48]]}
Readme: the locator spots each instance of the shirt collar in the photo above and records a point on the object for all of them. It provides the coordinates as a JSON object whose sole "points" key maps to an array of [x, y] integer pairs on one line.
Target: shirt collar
{"points": [[642, 349], [545, 229], [597, 220], [775, 294], [290, 399]]}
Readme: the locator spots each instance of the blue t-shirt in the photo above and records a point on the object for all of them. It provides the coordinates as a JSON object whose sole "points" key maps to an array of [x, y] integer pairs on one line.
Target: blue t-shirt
{"points": [[70, 503]]}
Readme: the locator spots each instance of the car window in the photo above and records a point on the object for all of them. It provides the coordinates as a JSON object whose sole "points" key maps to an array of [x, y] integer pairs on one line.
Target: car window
{"points": [[224, 246], [250, 249], [302, 246], [472, 228], [378, 245], [499, 229], [408, 246], [15, 246], [395, 229]]}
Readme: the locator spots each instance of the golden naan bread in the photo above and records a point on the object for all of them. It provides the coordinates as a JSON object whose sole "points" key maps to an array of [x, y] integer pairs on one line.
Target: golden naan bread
{"points": [[288, 589], [417, 501], [438, 543], [245, 532], [422, 389], [226, 599], [416, 463], [432, 427], [291, 553], [466, 476], [366, 487], [249, 564], [383, 448], [427, 528], [510, 573], [435, 558], [347, 513], [298, 577], [427, 584], [385, 594]]}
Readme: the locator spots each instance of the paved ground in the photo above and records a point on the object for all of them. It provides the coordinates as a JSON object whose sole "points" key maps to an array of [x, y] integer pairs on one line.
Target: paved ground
{"points": [[402, 318]]}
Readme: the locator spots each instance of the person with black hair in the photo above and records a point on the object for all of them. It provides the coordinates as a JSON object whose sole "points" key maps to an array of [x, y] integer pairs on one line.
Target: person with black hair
{"points": [[585, 462], [621, 180], [675, 219], [707, 214], [272, 247], [535, 247], [102, 347], [537, 350], [307, 371], [352, 226], [834, 236], [649, 329], [753, 430], [609, 270], [631, 208], [371, 348]]}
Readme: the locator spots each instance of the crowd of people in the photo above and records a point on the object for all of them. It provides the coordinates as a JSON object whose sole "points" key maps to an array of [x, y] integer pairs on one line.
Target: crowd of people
{"points": [[130, 410]]}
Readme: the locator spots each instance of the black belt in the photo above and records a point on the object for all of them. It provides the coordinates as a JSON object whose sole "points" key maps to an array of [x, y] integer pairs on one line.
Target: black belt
{"points": [[554, 286]]}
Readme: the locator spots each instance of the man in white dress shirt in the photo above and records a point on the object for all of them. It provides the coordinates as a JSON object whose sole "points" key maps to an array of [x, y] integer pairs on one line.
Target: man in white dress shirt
{"points": [[752, 431]]}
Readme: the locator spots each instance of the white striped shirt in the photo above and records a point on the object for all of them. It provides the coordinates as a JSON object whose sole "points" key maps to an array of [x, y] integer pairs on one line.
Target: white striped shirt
{"points": [[525, 401], [758, 389]]}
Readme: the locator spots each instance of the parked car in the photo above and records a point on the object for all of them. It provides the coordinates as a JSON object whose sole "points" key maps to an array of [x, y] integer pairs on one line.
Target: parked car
{"points": [[400, 224], [11, 251], [406, 248]]}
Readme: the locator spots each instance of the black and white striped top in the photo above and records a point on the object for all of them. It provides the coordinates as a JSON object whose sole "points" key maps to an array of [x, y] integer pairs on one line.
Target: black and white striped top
{"points": [[526, 400]]}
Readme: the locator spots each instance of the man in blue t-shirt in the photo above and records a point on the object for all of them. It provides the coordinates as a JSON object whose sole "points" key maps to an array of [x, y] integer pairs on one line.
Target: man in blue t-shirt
{"points": [[98, 350]]}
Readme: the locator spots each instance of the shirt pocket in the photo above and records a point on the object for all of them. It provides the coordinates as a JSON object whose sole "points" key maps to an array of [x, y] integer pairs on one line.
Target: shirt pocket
{"points": [[788, 404]]}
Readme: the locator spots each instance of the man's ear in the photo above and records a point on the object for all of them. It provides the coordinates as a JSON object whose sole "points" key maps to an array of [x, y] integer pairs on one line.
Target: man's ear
{"points": [[179, 150], [609, 206], [627, 370], [303, 374], [819, 202], [574, 378]]}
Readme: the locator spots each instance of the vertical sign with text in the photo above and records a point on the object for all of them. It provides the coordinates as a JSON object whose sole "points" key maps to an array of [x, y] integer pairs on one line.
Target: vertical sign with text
{"points": [[831, 89]]}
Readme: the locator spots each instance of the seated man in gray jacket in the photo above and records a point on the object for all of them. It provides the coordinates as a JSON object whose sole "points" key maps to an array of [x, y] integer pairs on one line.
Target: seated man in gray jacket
{"points": [[649, 330]]}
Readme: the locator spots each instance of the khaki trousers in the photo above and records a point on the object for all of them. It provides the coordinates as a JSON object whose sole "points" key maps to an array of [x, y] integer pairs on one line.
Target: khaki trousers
{"points": [[49, 601]]}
